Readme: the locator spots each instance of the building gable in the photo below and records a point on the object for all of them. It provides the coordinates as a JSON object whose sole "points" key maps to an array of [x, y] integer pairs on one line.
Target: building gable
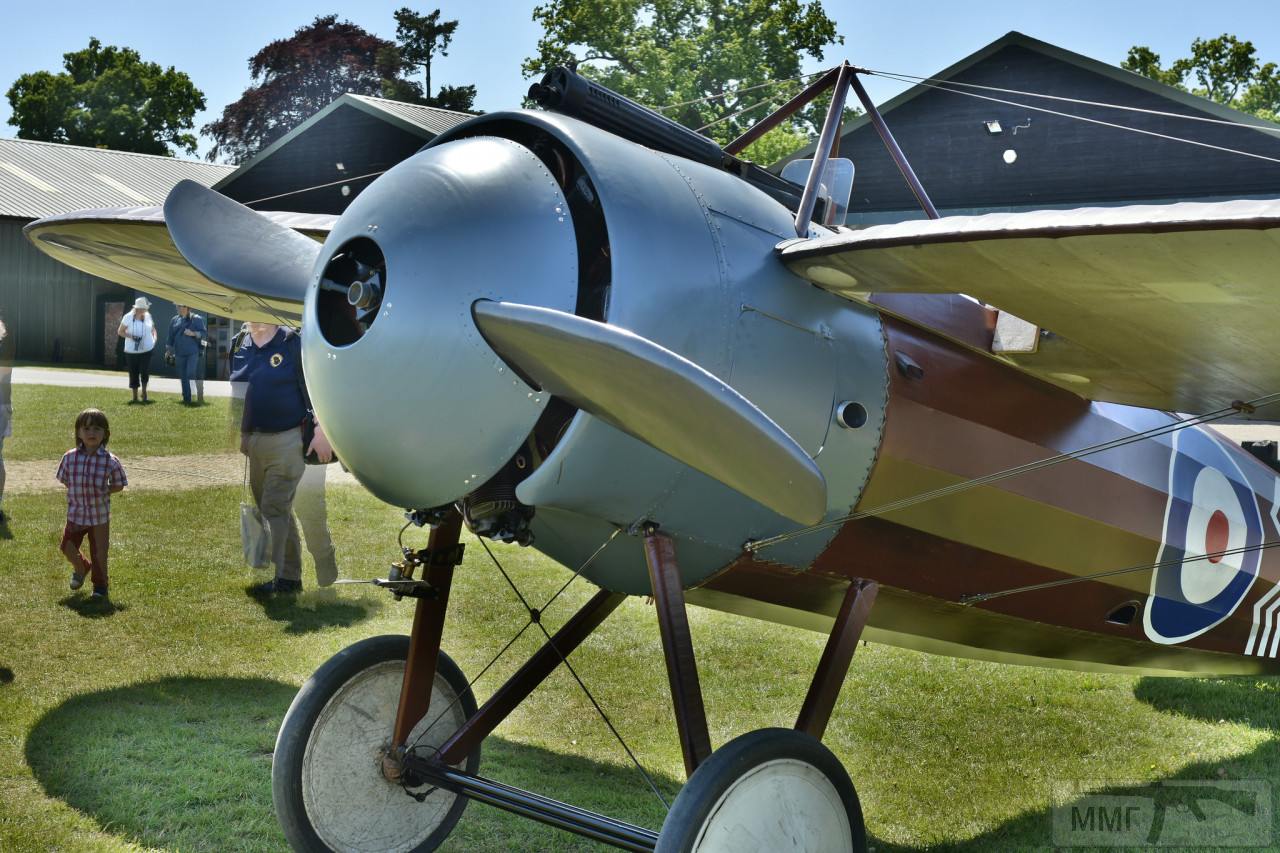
{"points": [[1057, 161], [324, 163]]}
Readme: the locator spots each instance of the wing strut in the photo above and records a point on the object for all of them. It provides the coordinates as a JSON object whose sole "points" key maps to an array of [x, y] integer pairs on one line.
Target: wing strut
{"points": [[840, 79]]}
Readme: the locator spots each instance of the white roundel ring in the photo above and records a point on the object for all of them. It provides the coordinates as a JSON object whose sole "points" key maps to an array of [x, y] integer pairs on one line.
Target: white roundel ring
{"points": [[1211, 508]]}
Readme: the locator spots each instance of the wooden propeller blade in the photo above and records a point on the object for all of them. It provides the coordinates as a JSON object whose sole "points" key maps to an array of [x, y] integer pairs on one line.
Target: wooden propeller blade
{"points": [[237, 247], [660, 398]]}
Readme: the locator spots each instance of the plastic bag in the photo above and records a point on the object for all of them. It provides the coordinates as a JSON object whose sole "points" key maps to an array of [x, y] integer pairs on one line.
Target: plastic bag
{"points": [[255, 536]]}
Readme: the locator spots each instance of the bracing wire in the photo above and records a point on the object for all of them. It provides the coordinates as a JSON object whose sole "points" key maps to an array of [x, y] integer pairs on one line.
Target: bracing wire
{"points": [[1141, 567], [736, 92], [1100, 122], [911, 78], [966, 485], [524, 602], [600, 710], [316, 187], [471, 684]]}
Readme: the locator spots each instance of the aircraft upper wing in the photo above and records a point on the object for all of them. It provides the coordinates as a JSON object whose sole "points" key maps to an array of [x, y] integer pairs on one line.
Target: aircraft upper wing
{"points": [[131, 246], [1171, 307]]}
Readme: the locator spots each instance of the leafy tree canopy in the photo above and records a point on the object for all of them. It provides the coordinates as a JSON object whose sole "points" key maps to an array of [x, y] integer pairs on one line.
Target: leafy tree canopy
{"points": [[419, 39], [108, 98], [296, 77], [1226, 70], [675, 53]]}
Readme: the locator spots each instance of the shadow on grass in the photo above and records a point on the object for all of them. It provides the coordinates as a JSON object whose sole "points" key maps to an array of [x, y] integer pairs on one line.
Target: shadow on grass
{"points": [[180, 763], [92, 608], [5, 532], [6, 675], [1253, 701], [309, 611], [185, 764]]}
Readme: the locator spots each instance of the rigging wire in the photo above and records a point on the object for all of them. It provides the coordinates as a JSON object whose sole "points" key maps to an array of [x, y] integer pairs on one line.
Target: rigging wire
{"points": [[636, 761], [471, 684], [538, 621], [969, 600], [756, 105], [737, 92], [1165, 136], [966, 485], [911, 78], [316, 187]]}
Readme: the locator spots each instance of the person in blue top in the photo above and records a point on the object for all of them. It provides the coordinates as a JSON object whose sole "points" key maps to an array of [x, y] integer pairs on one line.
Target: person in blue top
{"points": [[187, 334], [268, 369]]}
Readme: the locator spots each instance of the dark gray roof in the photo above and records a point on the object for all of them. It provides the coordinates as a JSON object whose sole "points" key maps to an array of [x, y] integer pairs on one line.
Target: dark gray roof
{"points": [[40, 179], [420, 123]]}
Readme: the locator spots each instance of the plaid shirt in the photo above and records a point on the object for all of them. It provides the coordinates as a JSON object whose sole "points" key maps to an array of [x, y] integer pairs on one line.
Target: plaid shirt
{"points": [[88, 478]]}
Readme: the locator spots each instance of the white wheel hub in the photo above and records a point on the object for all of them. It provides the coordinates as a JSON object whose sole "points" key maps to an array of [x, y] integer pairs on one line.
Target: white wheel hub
{"points": [[350, 804], [781, 805]]}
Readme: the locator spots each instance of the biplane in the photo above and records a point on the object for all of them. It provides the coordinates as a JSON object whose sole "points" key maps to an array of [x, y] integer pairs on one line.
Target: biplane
{"points": [[593, 332]]}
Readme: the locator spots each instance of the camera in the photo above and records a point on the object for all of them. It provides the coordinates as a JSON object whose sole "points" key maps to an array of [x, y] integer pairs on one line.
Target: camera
{"points": [[137, 339]]}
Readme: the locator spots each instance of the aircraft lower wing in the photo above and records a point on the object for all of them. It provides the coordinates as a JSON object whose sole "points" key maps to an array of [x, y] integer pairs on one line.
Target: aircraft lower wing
{"points": [[131, 246], [1165, 306]]}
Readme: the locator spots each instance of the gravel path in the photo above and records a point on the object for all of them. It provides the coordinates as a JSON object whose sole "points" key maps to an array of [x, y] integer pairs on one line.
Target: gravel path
{"points": [[153, 473]]}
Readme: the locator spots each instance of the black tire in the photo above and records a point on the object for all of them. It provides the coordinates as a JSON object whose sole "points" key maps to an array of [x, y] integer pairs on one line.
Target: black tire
{"points": [[765, 761], [326, 777]]}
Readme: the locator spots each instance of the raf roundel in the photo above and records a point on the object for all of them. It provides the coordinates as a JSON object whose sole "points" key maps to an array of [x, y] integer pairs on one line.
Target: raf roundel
{"points": [[1211, 509]]}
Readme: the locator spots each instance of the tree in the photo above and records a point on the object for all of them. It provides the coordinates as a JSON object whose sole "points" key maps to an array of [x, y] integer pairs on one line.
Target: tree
{"points": [[703, 59], [420, 38], [1226, 68], [295, 78], [108, 98]]}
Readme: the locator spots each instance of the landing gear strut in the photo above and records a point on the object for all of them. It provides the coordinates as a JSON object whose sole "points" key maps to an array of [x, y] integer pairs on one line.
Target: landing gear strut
{"points": [[380, 749]]}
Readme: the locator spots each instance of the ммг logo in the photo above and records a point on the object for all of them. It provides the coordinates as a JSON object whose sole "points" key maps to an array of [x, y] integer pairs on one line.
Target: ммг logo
{"points": [[1211, 508]]}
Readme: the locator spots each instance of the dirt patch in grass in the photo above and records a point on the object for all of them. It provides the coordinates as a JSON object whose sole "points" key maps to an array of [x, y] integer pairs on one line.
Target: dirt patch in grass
{"points": [[151, 473]]}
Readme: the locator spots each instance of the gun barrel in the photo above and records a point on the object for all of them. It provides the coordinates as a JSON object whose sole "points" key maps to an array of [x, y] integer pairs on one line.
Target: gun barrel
{"points": [[565, 91]]}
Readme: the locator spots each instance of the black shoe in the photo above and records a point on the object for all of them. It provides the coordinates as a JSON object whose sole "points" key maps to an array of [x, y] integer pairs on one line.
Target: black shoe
{"points": [[277, 586], [99, 593]]}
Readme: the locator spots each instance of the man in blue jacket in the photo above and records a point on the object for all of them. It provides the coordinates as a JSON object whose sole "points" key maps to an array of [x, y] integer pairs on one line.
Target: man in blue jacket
{"points": [[187, 333]]}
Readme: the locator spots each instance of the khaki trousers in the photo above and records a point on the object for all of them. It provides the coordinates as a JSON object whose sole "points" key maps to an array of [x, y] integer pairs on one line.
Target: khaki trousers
{"points": [[276, 469]]}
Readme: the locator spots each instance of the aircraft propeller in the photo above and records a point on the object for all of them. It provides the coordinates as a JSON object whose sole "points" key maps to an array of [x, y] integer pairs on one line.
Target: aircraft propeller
{"points": [[636, 385]]}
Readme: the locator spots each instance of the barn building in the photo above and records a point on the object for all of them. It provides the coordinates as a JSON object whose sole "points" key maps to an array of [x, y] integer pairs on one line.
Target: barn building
{"points": [[57, 314], [52, 312], [1002, 130]]}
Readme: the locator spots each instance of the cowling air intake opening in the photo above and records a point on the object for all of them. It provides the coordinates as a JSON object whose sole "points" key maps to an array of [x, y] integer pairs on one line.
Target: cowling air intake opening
{"points": [[351, 291]]}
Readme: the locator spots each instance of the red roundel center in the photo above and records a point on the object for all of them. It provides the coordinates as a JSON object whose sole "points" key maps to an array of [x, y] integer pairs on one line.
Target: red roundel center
{"points": [[1217, 536]]}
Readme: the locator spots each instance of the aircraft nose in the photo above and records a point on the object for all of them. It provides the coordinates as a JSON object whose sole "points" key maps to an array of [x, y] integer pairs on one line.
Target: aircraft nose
{"points": [[411, 396]]}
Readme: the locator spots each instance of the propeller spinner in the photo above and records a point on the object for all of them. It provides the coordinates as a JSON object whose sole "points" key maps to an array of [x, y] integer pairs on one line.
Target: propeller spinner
{"points": [[421, 406]]}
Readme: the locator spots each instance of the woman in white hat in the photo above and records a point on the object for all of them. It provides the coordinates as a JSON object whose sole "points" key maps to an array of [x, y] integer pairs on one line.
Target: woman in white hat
{"points": [[139, 334]]}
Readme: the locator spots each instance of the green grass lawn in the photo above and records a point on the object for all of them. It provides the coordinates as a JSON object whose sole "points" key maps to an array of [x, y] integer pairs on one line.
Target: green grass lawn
{"points": [[44, 418], [151, 725]]}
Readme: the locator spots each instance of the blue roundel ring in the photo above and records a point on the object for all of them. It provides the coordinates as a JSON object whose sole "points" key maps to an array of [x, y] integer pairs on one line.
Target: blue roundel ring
{"points": [[1210, 508]]}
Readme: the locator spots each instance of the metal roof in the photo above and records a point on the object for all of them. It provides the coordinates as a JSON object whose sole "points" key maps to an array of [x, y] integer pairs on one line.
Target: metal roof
{"points": [[39, 179], [430, 119], [421, 123]]}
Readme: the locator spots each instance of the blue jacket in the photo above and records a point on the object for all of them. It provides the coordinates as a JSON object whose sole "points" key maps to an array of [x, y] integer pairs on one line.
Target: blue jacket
{"points": [[184, 344], [275, 397]]}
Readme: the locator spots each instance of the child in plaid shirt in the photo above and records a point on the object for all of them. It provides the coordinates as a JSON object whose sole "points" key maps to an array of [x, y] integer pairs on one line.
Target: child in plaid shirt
{"points": [[91, 474]]}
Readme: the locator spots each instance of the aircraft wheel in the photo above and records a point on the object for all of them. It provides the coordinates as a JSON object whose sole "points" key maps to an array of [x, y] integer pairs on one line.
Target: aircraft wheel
{"points": [[326, 776], [768, 790]]}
